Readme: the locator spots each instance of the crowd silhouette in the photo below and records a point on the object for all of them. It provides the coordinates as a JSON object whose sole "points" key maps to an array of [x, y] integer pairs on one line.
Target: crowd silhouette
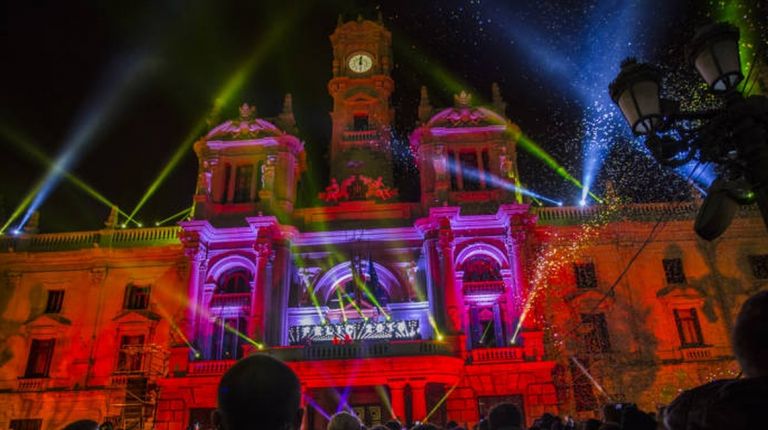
{"points": [[261, 392]]}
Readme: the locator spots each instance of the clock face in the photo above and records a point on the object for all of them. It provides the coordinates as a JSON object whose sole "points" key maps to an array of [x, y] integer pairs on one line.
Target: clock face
{"points": [[360, 63]]}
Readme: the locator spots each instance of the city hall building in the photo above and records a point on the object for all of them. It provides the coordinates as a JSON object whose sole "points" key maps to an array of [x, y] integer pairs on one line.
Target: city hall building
{"points": [[432, 310]]}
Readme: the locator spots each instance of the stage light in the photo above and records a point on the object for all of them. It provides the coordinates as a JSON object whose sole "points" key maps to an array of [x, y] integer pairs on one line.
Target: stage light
{"points": [[582, 203]]}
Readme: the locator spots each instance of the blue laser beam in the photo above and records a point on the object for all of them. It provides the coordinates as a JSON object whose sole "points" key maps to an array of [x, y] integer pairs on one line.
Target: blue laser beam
{"points": [[475, 175], [582, 63], [102, 104]]}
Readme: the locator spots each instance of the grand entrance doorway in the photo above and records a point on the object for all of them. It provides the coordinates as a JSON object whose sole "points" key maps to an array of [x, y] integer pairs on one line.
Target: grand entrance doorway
{"points": [[370, 404]]}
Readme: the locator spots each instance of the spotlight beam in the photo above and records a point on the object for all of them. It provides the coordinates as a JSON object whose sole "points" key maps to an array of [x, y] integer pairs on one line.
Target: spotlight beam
{"points": [[102, 105], [23, 144], [224, 96]]}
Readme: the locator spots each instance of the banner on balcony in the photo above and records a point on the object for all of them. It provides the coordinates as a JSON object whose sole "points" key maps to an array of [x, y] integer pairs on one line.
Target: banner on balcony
{"points": [[354, 331]]}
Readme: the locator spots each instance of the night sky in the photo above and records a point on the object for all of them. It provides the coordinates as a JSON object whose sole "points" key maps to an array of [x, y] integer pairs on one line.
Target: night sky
{"points": [[126, 82]]}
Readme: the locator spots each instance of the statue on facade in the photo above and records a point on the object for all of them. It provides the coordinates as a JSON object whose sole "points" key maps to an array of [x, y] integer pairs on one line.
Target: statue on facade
{"points": [[440, 163], [268, 173], [506, 166]]}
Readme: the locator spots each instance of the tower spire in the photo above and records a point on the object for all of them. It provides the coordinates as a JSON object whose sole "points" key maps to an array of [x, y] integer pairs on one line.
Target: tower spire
{"points": [[498, 103], [425, 108]]}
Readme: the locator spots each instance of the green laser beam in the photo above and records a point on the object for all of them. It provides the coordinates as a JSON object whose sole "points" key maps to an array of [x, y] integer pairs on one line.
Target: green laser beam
{"points": [[174, 216], [534, 149], [24, 144], [224, 96]]}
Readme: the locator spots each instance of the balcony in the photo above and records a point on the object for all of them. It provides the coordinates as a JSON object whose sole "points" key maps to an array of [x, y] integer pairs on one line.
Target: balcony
{"points": [[697, 353], [497, 355], [360, 135], [32, 384], [483, 287], [241, 300], [358, 350], [212, 367]]}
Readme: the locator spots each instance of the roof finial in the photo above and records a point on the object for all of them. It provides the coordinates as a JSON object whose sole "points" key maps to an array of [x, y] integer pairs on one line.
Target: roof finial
{"points": [[33, 224], [498, 103], [379, 17], [247, 112], [286, 119], [463, 99], [425, 108], [359, 17], [339, 21], [111, 222]]}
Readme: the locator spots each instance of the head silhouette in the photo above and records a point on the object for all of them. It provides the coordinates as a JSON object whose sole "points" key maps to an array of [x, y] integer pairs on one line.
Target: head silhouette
{"points": [[82, 425], [504, 416], [344, 421], [750, 336], [259, 392]]}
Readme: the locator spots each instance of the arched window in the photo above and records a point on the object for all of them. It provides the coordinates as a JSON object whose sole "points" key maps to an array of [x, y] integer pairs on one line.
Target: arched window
{"points": [[481, 268], [234, 282]]}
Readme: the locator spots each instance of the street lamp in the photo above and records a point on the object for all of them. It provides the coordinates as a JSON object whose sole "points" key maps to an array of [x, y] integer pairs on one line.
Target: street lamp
{"points": [[734, 138]]}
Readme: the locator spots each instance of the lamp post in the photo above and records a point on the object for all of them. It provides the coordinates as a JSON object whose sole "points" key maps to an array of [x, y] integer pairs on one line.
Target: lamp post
{"points": [[734, 138]]}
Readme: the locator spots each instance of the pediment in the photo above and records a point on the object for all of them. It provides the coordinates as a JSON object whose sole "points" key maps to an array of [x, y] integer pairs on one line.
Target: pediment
{"points": [[48, 320], [589, 298], [679, 292], [136, 316]]}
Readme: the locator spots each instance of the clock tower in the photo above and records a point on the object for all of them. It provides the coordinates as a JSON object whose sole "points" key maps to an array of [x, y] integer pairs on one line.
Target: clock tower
{"points": [[361, 158]]}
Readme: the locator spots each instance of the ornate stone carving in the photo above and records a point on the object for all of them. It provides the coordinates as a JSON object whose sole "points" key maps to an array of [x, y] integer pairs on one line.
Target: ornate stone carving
{"points": [[98, 274], [13, 279], [268, 173], [247, 112]]}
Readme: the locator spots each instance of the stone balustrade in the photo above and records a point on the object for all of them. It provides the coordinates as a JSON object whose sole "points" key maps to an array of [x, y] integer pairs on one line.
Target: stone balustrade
{"points": [[32, 384], [483, 287], [154, 236], [697, 354], [505, 354], [210, 367]]}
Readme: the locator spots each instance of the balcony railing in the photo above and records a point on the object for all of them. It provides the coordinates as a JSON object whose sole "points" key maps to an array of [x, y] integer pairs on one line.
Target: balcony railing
{"points": [[483, 287], [360, 135], [697, 354], [155, 236], [357, 350], [489, 355], [212, 367], [32, 384], [242, 300]]}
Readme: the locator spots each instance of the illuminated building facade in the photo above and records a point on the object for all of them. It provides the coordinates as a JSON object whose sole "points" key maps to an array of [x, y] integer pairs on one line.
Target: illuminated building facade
{"points": [[414, 310]]}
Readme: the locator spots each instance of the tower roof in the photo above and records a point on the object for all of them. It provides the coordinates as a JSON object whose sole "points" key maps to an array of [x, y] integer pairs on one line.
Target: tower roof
{"points": [[245, 127], [463, 116]]}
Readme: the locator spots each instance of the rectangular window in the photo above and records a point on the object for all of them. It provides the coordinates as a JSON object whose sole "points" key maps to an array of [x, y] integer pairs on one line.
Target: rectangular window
{"points": [[136, 297], [673, 270], [582, 387], [200, 419], [243, 178], [470, 175], [488, 177], [26, 424], [453, 168], [586, 277], [688, 327], [360, 122], [225, 342], [39, 361], [759, 265], [225, 190], [55, 300], [129, 358], [595, 334]]}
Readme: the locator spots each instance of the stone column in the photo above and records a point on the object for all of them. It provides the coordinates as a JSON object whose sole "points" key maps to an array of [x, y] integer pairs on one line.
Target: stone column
{"points": [[419, 400], [397, 399], [260, 293], [454, 300], [196, 252]]}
